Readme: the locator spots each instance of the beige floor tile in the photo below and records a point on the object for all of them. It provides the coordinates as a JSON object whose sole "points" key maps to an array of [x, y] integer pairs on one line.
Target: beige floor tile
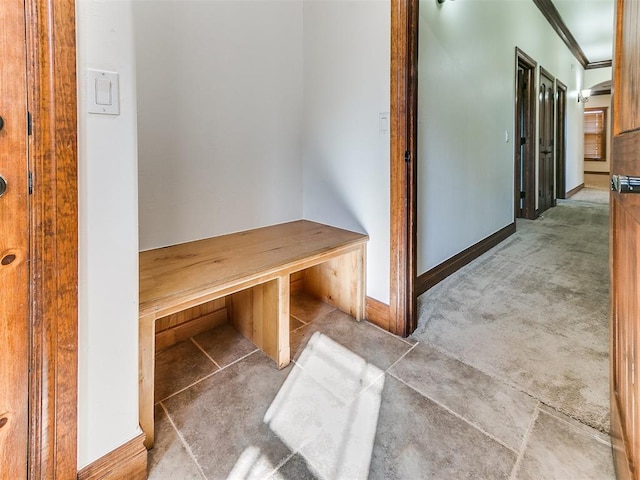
{"points": [[223, 419], [224, 344], [495, 407], [308, 308], [415, 438], [169, 458], [178, 367], [560, 450]]}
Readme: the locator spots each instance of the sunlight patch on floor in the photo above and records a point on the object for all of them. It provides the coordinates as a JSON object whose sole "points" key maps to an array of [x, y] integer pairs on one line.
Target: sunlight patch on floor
{"points": [[327, 410], [251, 465]]}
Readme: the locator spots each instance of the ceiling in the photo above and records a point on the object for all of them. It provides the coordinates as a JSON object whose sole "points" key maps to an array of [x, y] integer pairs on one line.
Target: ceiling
{"points": [[591, 22]]}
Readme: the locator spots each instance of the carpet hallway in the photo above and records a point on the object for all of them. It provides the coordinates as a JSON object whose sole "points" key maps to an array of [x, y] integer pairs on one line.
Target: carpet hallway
{"points": [[533, 312]]}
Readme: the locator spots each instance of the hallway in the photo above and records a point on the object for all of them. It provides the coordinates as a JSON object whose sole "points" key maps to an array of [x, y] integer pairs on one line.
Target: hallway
{"points": [[534, 311], [360, 403]]}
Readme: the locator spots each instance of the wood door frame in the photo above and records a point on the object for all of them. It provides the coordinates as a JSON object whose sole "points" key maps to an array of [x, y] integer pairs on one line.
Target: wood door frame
{"points": [[404, 105], [560, 145], [529, 211], [51, 99]]}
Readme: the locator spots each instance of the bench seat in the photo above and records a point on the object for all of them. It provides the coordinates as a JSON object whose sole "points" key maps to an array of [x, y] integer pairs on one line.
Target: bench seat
{"points": [[252, 270]]}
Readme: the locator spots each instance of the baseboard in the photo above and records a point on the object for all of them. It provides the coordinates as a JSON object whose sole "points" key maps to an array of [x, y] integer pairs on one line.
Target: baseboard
{"points": [[573, 191], [589, 172], [378, 313], [186, 330], [440, 272], [127, 461]]}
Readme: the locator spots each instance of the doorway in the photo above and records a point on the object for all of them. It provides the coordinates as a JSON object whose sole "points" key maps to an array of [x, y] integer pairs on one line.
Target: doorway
{"points": [[546, 136], [524, 153]]}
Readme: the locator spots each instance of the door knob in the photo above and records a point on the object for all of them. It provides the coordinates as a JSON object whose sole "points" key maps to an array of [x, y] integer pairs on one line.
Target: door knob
{"points": [[3, 185], [625, 184]]}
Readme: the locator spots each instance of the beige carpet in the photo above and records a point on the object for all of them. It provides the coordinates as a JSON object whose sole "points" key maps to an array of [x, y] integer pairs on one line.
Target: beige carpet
{"points": [[593, 195], [534, 311]]}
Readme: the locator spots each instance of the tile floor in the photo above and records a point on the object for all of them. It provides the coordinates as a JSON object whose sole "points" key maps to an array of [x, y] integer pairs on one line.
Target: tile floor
{"points": [[356, 402]]}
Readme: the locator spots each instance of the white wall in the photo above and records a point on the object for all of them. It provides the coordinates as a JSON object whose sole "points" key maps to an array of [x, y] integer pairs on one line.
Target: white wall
{"points": [[346, 159], [466, 103], [597, 75], [219, 116], [108, 231]]}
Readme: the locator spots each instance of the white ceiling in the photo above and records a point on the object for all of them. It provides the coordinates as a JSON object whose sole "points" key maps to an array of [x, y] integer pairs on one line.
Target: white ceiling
{"points": [[591, 22]]}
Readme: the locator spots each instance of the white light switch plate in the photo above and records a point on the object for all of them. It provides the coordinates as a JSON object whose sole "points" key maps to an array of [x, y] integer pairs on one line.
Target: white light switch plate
{"points": [[384, 123], [103, 92]]}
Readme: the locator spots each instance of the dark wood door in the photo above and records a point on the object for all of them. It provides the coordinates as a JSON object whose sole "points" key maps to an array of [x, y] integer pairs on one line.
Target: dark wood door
{"points": [[525, 122], [14, 241], [546, 142], [625, 246], [561, 122]]}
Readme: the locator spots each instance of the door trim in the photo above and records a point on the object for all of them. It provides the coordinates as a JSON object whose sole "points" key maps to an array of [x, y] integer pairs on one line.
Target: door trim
{"points": [[529, 211], [51, 99], [404, 104]]}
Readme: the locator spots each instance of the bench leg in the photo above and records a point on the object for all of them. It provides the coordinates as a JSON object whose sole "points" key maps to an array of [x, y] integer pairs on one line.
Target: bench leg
{"points": [[340, 282], [282, 334], [261, 314], [146, 363], [359, 285]]}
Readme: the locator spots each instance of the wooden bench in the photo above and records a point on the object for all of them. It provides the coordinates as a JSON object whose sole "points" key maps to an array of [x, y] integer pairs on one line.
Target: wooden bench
{"points": [[252, 270]]}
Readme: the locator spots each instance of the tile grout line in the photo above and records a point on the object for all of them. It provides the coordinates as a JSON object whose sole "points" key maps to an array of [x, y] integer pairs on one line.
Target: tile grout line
{"points": [[316, 470], [206, 377], [299, 319], [281, 464], [184, 441], [193, 340], [402, 356], [504, 381], [581, 427], [457, 415], [299, 328], [525, 442], [382, 374]]}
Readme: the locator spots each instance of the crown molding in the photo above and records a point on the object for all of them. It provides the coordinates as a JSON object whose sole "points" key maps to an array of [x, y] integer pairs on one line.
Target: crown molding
{"points": [[550, 12]]}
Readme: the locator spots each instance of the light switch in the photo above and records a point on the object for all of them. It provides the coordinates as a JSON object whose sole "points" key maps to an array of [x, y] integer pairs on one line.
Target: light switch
{"points": [[103, 95], [384, 123], [103, 91]]}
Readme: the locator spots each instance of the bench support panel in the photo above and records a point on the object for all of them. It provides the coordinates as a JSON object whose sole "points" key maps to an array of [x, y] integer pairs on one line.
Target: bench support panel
{"points": [[261, 314], [146, 364], [340, 282]]}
